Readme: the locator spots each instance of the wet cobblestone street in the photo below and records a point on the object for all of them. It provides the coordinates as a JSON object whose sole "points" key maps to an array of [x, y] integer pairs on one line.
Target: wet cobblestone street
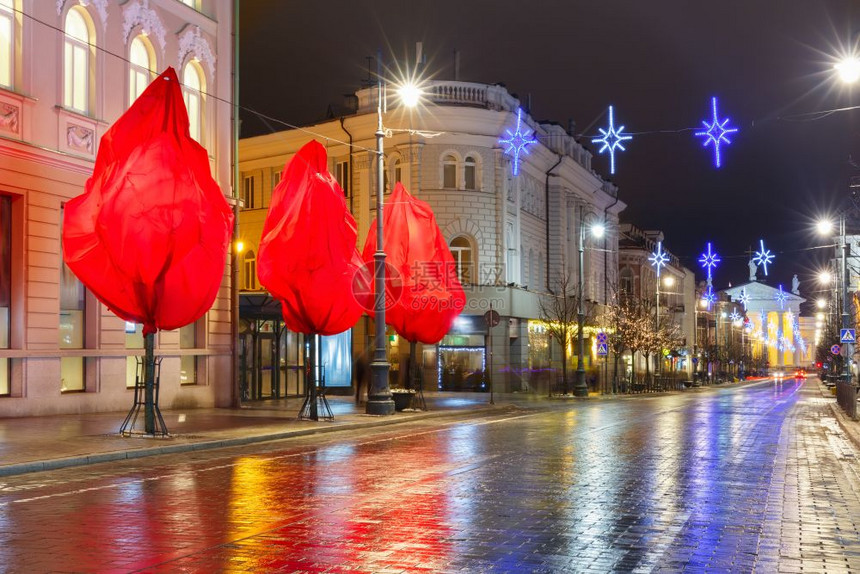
{"points": [[755, 478]]}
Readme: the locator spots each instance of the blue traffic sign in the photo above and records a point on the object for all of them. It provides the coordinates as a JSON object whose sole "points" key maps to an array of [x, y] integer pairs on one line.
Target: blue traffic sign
{"points": [[835, 349], [847, 336], [601, 337], [602, 349]]}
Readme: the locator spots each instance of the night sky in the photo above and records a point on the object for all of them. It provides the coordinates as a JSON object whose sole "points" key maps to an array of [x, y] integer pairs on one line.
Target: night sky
{"points": [[658, 62]]}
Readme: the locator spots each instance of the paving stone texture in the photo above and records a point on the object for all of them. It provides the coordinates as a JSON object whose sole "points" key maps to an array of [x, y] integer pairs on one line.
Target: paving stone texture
{"points": [[758, 478]]}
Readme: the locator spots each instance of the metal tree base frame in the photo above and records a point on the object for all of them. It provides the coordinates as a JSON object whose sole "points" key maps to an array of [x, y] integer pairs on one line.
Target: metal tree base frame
{"points": [[127, 428], [316, 404]]}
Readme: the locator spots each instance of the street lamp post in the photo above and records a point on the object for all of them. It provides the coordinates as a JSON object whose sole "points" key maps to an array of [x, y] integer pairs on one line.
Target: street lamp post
{"points": [[849, 348], [580, 389], [825, 227], [379, 400]]}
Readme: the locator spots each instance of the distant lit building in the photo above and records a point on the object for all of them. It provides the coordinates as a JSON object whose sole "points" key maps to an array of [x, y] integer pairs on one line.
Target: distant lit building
{"points": [[514, 238], [68, 69], [637, 278]]}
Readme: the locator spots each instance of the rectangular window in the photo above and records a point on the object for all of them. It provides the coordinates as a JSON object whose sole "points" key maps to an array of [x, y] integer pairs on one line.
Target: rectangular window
{"points": [[75, 68], [71, 330], [248, 195], [133, 340], [5, 287], [7, 42], [449, 176], [250, 271], [470, 176], [341, 174], [188, 363]]}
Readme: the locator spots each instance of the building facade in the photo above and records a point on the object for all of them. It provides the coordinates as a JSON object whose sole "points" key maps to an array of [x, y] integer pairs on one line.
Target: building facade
{"points": [[673, 294], [515, 238], [68, 69]]}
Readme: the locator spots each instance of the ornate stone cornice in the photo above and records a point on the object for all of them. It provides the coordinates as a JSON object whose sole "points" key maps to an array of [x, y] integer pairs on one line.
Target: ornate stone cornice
{"points": [[140, 14], [192, 42]]}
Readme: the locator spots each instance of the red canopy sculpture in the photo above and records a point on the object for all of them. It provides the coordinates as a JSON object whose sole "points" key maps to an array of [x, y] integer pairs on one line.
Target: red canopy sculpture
{"points": [[308, 257], [149, 235], [430, 295]]}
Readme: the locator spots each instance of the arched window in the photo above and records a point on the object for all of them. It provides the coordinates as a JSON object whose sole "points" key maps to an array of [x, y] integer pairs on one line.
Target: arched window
{"points": [[449, 172], [539, 278], [76, 63], [7, 43], [470, 173], [192, 89], [461, 249], [249, 271], [140, 68], [396, 171]]}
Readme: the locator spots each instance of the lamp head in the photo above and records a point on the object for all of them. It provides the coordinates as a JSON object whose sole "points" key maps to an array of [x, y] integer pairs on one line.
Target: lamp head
{"points": [[848, 69], [824, 227]]}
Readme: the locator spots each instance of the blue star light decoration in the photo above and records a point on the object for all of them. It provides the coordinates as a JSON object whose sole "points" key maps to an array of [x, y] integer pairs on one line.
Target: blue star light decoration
{"points": [[715, 132], [763, 257], [709, 260], [517, 142], [735, 316], [611, 139], [710, 298], [781, 297], [658, 258], [744, 298]]}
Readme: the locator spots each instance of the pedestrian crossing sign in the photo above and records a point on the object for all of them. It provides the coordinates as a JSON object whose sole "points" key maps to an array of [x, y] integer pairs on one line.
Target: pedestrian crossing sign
{"points": [[602, 349], [847, 336]]}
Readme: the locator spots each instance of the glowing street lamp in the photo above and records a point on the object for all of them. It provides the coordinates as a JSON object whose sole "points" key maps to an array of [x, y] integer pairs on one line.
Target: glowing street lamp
{"points": [[848, 69]]}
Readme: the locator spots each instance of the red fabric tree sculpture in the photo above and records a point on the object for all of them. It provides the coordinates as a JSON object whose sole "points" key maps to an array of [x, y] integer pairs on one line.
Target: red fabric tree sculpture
{"points": [[149, 235], [423, 303], [308, 259]]}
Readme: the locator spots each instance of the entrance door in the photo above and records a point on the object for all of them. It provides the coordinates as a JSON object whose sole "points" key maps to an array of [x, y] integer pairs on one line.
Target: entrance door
{"points": [[461, 368]]}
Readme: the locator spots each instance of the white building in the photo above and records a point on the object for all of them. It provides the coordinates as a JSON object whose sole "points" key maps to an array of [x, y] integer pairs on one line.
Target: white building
{"points": [[68, 68], [513, 236]]}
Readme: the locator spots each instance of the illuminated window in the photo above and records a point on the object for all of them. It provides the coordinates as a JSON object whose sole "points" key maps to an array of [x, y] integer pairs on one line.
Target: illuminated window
{"points": [[449, 172], [7, 43], [5, 287], [192, 90], [76, 64], [250, 271], [188, 363], [192, 3], [470, 173], [71, 329], [461, 249], [140, 67]]}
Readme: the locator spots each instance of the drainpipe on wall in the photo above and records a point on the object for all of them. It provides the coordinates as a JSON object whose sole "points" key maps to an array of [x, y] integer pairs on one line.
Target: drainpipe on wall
{"points": [[349, 163], [546, 209]]}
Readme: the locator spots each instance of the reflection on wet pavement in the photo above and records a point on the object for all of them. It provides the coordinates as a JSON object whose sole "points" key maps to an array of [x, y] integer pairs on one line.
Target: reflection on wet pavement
{"points": [[736, 480]]}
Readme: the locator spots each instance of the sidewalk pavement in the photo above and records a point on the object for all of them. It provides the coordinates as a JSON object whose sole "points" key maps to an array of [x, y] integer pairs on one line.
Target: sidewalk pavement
{"points": [[850, 427], [31, 444]]}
